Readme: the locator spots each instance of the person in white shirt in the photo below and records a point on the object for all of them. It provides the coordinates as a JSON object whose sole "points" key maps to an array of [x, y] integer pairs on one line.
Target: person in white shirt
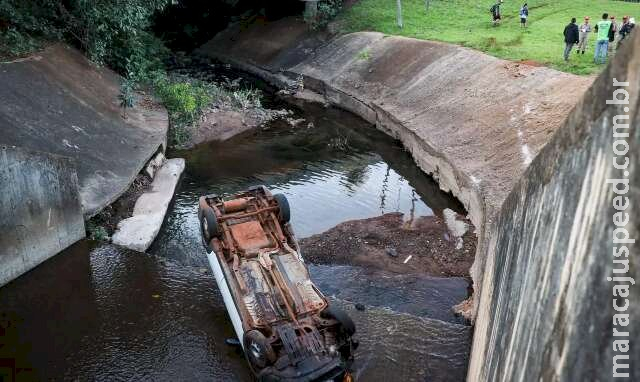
{"points": [[584, 29]]}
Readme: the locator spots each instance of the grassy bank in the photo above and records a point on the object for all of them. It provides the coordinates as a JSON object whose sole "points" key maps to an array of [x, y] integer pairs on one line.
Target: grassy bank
{"points": [[469, 24]]}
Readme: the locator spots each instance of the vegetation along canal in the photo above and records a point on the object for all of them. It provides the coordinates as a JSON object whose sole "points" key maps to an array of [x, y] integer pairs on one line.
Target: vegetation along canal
{"points": [[379, 237]]}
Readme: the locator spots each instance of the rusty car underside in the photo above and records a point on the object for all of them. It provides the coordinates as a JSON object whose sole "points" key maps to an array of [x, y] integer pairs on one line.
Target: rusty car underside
{"points": [[280, 308]]}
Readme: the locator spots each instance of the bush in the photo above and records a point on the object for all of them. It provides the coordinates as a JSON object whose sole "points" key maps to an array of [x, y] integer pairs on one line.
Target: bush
{"points": [[184, 99], [327, 11], [235, 97], [97, 232], [24, 25], [116, 33], [14, 44], [111, 32]]}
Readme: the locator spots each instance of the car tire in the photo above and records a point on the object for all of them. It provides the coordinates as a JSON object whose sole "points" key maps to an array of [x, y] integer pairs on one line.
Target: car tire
{"points": [[258, 350], [284, 214], [342, 317], [209, 225]]}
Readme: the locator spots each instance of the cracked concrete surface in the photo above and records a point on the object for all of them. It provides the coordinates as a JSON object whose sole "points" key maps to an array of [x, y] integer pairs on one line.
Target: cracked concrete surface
{"points": [[57, 101]]}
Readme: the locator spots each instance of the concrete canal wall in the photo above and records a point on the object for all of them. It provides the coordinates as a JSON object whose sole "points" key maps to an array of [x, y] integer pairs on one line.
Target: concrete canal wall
{"points": [[40, 212], [57, 101], [546, 308]]}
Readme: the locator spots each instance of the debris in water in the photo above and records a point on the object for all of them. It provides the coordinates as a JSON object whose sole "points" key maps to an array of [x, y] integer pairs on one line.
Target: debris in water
{"points": [[407, 259], [391, 251], [293, 122], [456, 227]]}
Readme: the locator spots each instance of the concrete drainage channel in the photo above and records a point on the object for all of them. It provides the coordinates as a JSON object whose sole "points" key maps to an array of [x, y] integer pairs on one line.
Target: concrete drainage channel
{"points": [[76, 315], [402, 305], [401, 294]]}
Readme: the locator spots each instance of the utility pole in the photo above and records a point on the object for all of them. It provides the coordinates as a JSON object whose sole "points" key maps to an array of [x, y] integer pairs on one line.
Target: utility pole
{"points": [[399, 12]]}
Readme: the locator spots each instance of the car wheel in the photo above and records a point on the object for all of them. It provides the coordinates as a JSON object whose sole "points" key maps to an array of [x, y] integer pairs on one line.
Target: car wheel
{"points": [[258, 350], [342, 317], [284, 215], [209, 225]]}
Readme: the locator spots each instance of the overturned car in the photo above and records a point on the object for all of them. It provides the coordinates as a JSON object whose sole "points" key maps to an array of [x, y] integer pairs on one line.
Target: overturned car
{"points": [[288, 330]]}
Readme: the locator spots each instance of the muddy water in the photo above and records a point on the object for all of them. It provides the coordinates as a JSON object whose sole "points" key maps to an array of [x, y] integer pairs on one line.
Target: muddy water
{"points": [[105, 313]]}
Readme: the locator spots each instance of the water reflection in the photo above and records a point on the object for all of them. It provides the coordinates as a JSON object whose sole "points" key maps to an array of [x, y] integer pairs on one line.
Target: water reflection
{"points": [[364, 175]]}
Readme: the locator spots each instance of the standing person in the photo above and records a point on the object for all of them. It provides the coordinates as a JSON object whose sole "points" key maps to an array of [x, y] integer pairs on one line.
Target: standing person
{"points": [[524, 14], [570, 37], [625, 29], [613, 34], [602, 29], [585, 29], [495, 12]]}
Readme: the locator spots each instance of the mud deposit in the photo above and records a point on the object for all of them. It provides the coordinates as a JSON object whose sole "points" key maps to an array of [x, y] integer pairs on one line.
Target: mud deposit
{"points": [[422, 245], [104, 313]]}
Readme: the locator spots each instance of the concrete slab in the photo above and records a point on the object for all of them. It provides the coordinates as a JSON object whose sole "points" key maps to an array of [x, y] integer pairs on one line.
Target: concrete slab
{"points": [[57, 101], [40, 212], [139, 231]]}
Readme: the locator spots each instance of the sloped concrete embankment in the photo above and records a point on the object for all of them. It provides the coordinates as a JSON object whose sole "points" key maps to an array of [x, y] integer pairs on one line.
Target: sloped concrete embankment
{"points": [[470, 120], [547, 307], [40, 212], [57, 101]]}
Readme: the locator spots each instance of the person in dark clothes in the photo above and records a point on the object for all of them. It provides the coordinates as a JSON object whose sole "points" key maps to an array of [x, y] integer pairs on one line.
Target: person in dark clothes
{"points": [[613, 34], [495, 12], [625, 29], [524, 14], [571, 37]]}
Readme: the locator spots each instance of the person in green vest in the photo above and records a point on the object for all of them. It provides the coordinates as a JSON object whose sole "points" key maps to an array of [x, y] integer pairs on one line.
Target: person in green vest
{"points": [[602, 40]]}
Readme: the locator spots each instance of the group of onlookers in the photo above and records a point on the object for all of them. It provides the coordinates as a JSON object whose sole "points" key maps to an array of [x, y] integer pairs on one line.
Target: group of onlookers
{"points": [[609, 33], [609, 36]]}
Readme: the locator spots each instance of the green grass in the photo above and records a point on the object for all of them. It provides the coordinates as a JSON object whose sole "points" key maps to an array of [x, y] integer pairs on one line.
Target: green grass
{"points": [[364, 55], [469, 24]]}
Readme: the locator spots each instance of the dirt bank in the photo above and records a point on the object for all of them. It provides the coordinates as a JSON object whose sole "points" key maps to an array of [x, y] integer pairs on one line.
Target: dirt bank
{"points": [[238, 101], [222, 122], [385, 242]]}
